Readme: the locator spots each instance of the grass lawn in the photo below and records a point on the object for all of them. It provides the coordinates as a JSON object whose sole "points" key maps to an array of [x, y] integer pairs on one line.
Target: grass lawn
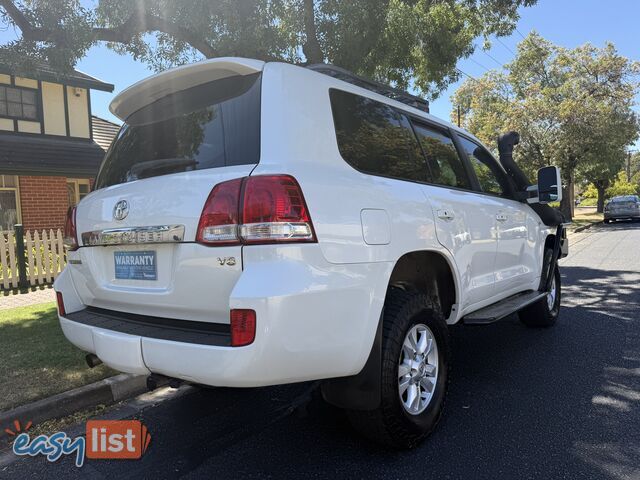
{"points": [[36, 360], [585, 216]]}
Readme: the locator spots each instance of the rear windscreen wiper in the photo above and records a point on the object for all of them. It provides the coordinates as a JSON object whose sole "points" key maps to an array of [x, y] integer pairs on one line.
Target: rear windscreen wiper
{"points": [[137, 170]]}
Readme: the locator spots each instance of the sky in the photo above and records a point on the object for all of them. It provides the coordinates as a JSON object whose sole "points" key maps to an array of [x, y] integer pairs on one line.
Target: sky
{"points": [[568, 23]]}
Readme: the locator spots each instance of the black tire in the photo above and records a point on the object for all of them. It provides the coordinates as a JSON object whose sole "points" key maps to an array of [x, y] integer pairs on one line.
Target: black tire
{"points": [[390, 424], [539, 314], [607, 221]]}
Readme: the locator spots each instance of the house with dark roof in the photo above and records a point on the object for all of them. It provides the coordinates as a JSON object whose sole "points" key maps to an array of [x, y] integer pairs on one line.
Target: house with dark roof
{"points": [[51, 146]]}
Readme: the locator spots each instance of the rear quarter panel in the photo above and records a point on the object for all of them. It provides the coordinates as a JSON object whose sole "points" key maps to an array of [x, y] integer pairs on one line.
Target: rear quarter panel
{"points": [[298, 138]]}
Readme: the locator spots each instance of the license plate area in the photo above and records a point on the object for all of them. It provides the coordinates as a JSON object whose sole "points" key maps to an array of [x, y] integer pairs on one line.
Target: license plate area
{"points": [[136, 265]]}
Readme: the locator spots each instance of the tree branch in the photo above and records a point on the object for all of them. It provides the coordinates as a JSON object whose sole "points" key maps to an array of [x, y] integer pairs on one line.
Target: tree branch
{"points": [[311, 48], [139, 22], [17, 16]]}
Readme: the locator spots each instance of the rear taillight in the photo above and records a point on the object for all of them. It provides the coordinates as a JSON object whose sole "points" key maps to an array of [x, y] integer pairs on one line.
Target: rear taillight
{"points": [[70, 235], [274, 210], [219, 220], [61, 310], [243, 327], [256, 210]]}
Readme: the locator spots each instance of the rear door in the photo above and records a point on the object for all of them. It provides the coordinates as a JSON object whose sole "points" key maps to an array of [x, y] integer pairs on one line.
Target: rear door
{"points": [[137, 230], [465, 220]]}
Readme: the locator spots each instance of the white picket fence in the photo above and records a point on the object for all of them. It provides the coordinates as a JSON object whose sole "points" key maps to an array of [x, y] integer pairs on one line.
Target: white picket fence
{"points": [[44, 257]]}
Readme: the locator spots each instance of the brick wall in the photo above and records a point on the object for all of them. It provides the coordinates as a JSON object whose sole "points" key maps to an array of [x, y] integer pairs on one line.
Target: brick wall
{"points": [[44, 202]]}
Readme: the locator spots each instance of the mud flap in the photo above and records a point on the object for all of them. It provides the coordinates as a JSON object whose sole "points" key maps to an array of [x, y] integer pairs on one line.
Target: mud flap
{"points": [[362, 391]]}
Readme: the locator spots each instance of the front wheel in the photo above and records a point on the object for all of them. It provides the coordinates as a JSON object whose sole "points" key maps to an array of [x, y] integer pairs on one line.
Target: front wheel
{"points": [[415, 363], [545, 312]]}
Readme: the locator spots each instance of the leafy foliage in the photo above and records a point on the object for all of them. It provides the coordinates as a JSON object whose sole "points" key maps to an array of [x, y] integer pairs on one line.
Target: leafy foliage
{"points": [[622, 186], [572, 108], [399, 41]]}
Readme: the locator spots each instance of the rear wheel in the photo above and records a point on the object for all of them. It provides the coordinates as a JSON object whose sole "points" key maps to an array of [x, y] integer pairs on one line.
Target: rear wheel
{"points": [[415, 363], [545, 312]]}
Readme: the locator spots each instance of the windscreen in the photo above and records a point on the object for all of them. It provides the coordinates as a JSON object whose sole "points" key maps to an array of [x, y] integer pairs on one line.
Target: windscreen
{"points": [[215, 124]]}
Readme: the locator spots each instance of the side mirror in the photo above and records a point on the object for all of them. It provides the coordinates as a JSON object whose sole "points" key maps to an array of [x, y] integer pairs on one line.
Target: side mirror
{"points": [[549, 188]]}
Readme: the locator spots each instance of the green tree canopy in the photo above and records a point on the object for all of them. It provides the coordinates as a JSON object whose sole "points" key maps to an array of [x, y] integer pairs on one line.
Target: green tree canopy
{"points": [[622, 186], [415, 42], [572, 108]]}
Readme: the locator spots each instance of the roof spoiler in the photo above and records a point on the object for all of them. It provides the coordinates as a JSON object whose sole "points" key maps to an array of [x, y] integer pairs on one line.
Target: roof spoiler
{"points": [[149, 90]]}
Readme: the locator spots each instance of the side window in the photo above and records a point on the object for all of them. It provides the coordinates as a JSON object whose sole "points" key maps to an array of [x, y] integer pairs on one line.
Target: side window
{"points": [[375, 139], [443, 160], [489, 173]]}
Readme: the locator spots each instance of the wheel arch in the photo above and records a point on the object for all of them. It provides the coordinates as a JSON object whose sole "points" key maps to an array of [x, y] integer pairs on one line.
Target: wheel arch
{"points": [[432, 273], [427, 271], [550, 241]]}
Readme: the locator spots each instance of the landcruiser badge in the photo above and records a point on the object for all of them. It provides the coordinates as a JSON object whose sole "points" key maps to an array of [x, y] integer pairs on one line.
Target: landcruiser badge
{"points": [[121, 210]]}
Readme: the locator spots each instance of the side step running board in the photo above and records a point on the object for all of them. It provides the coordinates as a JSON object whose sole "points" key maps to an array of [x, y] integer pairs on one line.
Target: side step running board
{"points": [[503, 308]]}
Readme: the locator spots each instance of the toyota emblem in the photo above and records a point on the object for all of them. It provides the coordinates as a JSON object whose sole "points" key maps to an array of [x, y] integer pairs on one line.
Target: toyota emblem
{"points": [[121, 210]]}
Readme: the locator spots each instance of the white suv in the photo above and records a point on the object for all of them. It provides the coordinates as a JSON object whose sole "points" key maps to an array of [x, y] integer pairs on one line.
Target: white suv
{"points": [[262, 223]]}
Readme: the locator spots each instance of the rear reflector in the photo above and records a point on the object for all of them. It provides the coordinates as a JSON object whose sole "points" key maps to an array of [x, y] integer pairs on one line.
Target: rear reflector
{"points": [[243, 327], [256, 210], [61, 310]]}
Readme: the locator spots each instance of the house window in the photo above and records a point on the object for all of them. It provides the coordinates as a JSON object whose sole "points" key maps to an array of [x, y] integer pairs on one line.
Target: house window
{"points": [[9, 202], [20, 103], [77, 188]]}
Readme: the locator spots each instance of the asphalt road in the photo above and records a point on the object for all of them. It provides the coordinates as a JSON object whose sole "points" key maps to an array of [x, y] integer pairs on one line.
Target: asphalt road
{"points": [[555, 403]]}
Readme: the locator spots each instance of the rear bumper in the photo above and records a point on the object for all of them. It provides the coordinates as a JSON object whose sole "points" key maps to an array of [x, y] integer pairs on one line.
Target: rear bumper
{"points": [[314, 320], [622, 215]]}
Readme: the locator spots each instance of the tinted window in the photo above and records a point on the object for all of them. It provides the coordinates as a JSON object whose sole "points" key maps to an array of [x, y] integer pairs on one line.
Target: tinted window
{"points": [[374, 138], [489, 173], [444, 163], [212, 125]]}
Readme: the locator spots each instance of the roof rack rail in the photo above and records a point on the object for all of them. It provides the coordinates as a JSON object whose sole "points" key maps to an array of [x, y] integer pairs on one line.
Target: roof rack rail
{"points": [[377, 87]]}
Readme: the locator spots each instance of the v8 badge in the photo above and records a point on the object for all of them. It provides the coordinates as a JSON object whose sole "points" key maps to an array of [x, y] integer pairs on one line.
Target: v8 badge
{"points": [[231, 261]]}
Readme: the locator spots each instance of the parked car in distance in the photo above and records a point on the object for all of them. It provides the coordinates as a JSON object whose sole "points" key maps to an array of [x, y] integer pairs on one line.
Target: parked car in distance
{"points": [[262, 223], [624, 207]]}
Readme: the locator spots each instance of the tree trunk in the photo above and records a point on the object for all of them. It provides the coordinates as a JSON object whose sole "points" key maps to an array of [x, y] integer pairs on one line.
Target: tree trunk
{"points": [[567, 188], [311, 48], [600, 204]]}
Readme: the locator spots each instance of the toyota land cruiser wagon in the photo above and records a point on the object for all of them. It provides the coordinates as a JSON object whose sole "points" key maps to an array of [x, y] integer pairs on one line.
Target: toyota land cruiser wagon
{"points": [[262, 223]]}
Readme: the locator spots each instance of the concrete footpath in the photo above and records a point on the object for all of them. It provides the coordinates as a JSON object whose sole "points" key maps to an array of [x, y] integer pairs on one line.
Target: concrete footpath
{"points": [[33, 297]]}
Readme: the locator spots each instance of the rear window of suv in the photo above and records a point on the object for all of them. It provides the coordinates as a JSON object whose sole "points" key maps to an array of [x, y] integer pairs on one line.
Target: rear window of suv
{"points": [[374, 138], [215, 124]]}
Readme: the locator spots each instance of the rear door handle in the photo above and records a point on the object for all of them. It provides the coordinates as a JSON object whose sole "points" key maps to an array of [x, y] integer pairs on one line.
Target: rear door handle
{"points": [[446, 214], [501, 217]]}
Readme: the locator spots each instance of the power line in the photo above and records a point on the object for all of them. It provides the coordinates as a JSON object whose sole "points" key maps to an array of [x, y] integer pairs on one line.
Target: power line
{"points": [[520, 33], [478, 63], [505, 45], [466, 75], [470, 77], [492, 58]]}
